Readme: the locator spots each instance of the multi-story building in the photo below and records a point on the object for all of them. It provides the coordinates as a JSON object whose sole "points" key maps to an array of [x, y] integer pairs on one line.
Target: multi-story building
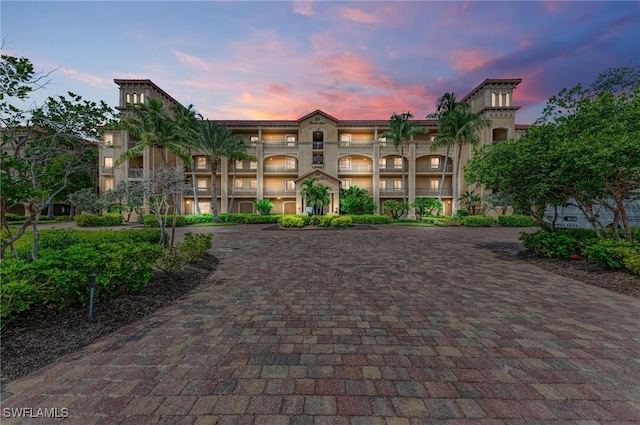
{"points": [[340, 153]]}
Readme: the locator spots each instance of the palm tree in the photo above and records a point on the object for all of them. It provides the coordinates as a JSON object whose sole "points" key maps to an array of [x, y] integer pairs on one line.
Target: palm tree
{"points": [[238, 152], [321, 198], [187, 120], [399, 129], [307, 191], [444, 106], [215, 142], [152, 125], [460, 126]]}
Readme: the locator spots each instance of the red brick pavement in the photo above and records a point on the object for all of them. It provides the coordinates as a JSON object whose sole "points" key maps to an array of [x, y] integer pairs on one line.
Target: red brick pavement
{"points": [[390, 326]]}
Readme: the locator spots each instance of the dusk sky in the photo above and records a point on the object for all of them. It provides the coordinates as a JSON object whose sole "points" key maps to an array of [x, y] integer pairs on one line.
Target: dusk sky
{"points": [[356, 59]]}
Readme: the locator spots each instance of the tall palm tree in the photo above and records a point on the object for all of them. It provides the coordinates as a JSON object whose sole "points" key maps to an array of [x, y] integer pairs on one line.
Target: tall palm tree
{"points": [[238, 152], [401, 128], [154, 127], [307, 191], [444, 106], [215, 142], [460, 126], [187, 120]]}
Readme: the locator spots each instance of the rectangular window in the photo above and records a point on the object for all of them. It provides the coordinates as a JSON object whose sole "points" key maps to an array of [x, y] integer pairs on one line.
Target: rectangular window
{"points": [[201, 183], [345, 163], [290, 163], [290, 184], [318, 160], [239, 165], [253, 184], [383, 141], [291, 140], [345, 137], [108, 162], [201, 162], [346, 184], [434, 162], [108, 139], [434, 184], [239, 184], [253, 165], [383, 162], [253, 139], [108, 183], [397, 163], [397, 184], [383, 185]]}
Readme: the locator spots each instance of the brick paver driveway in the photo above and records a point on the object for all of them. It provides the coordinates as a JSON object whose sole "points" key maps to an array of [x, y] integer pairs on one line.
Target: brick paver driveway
{"points": [[396, 325]]}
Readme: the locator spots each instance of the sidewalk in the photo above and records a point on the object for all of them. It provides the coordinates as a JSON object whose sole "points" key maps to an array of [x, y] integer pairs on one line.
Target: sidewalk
{"points": [[391, 326]]}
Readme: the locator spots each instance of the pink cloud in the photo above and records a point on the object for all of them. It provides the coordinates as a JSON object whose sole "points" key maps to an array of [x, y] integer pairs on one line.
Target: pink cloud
{"points": [[359, 15], [91, 79], [303, 8], [469, 60]]}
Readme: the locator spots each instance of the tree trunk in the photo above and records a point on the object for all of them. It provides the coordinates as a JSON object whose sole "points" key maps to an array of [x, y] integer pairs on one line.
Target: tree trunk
{"points": [[214, 185], [404, 186], [456, 182], [444, 171], [50, 215], [233, 189], [195, 191]]}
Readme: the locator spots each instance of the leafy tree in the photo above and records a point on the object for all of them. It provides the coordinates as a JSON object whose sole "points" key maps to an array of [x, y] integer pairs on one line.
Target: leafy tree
{"points": [[471, 202], [424, 206], [125, 199], [356, 201], [162, 183], [498, 201], [215, 142], [584, 149], [458, 126], [397, 209], [87, 201], [264, 206], [400, 128], [42, 147]]}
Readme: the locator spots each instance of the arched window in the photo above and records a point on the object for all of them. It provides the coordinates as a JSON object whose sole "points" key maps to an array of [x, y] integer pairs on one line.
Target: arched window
{"points": [[127, 97], [141, 97]]}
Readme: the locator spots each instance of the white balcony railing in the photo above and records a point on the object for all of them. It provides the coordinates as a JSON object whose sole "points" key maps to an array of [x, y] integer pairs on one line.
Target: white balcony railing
{"points": [[355, 169], [280, 169]]}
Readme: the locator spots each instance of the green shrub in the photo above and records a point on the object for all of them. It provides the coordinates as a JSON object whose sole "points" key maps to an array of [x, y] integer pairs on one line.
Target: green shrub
{"points": [[341, 221], [291, 221], [477, 221], [151, 220], [261, 219], [17, 294], [15, 217], [516, 220], [264, 206], [194, 246], [615, 254], [370, 219], [462, 213], [315, 220], [94, 220], [201, 218], [325, 220], [556, 244]]}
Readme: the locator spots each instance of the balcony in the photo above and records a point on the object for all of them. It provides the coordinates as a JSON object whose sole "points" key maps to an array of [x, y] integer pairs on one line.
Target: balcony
{"points": [[135, 173], [199, 168], [430, 169], [318, 146], [271, 192], [202, 191], [392, 170], [391, 192], [356, 145], [433, 193], [356, 169], [284, 169], [106, 171], [244, 170], [269, 146], [241, 192]]}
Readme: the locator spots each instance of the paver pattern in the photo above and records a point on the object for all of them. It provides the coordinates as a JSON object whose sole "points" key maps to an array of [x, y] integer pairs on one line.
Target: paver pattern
{"points": [[388, 326]]}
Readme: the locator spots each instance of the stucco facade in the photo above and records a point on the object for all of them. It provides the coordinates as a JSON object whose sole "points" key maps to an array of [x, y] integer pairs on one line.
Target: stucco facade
{"points": [[341, 153]]}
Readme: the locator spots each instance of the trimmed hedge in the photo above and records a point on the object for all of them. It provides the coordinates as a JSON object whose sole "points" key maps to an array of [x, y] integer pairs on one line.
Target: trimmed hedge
{"points": [[15, 217], [516, 221], [613, 254], [290, 221], [150, 220], [370, 219], [94, 220], [250, 218], [477, 221], [341, 221]]}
